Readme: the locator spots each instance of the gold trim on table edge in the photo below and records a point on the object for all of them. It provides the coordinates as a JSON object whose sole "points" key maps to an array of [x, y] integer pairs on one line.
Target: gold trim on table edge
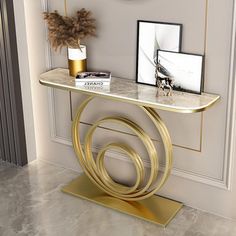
{"points": [[129, 100]]}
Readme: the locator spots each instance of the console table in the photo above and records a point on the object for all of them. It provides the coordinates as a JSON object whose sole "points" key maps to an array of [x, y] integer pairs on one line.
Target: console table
{"points": [[96, 185]]}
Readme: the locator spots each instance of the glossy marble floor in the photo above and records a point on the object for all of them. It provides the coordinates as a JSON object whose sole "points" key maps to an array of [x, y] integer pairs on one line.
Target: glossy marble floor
{"points": [[31, 203]]}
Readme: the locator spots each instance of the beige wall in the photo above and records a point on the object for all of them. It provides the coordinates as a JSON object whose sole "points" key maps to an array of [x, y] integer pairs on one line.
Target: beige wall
{"points": [[199, 179]]}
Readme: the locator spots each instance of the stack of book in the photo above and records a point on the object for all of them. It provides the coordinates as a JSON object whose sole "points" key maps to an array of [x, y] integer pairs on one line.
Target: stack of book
{"points": [[93, 79]]}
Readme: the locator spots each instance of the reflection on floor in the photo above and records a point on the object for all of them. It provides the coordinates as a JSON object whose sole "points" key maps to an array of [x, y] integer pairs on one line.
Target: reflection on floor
{"points": [[31, 203]]}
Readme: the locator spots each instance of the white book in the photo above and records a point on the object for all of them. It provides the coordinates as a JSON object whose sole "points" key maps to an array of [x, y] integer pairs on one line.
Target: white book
{"points": [[92, 83], [93, 76], [102, 88]]}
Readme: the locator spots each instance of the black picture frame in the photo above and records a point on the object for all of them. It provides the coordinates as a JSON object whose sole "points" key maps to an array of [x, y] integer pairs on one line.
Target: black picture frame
{"points": [[178, 49], [172, 68]]}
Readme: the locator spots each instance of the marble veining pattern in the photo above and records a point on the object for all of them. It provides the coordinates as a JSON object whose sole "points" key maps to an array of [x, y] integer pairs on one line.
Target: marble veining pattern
{"points": [[130, 91], [31, 204]]}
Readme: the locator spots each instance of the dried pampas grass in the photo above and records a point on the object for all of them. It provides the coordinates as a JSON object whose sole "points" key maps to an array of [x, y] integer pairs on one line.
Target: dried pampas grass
{"points": [[66, 31]]}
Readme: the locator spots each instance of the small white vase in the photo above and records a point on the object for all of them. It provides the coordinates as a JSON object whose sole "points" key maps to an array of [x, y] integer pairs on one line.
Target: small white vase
{"points": [[77, 60]]}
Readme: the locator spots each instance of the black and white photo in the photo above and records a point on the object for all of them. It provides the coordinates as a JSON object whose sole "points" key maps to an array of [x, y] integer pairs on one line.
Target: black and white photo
{"points": [[151, 37], [184, 70]]}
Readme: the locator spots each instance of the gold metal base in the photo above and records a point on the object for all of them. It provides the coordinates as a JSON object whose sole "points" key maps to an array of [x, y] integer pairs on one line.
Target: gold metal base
{"points": [[155, 209], [76, 66]]}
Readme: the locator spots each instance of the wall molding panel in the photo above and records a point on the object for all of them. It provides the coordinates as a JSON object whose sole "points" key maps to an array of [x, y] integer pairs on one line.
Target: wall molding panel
{"points": [[223, 183], [230, 138]]}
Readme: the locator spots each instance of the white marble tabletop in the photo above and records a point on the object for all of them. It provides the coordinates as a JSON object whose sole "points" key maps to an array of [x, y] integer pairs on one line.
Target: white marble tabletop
{"points": [[128, 91]]}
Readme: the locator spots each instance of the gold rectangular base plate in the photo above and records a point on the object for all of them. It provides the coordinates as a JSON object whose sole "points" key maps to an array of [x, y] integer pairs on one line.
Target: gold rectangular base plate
{"points": [[155, 209]]}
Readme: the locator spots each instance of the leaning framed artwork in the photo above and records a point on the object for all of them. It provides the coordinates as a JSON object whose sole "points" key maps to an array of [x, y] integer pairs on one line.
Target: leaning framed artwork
{"points": [[152, 36], [185, 70]]}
